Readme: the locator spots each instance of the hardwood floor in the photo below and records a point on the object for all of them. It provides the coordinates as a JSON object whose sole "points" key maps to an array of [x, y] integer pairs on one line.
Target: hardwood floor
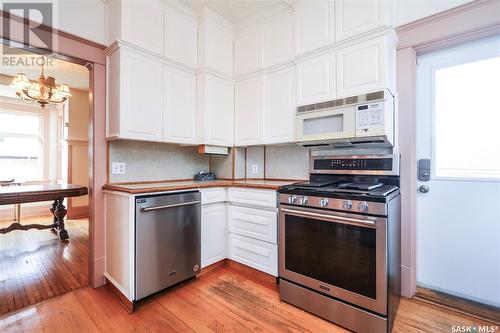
{"points": [[230, 298], [35, 265], [475, 309]]}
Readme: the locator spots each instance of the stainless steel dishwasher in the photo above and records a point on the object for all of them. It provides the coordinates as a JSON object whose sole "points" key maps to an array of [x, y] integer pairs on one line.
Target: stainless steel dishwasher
{"points": [[167, 240]]}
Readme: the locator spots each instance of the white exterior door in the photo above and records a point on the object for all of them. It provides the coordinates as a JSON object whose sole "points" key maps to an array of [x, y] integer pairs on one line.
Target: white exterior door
{"points": [[458, 208]]}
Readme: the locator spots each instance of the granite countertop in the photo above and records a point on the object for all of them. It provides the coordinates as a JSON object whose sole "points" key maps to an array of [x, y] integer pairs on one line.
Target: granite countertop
{"points": [[151, 187]]}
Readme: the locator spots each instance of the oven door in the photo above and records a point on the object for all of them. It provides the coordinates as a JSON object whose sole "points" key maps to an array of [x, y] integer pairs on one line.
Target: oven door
{"points": [[337, 254]]}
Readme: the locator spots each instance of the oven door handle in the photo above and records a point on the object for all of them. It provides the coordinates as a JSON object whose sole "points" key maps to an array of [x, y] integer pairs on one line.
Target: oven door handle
{"points": [[332, 218]]}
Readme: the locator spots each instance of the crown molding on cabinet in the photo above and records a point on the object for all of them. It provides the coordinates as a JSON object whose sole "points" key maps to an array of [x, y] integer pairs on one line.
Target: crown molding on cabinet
{"points": [[321, 51], [346, 42], [125, 45], [262, 15], [180, 7], [209, 14], [216, 73]]}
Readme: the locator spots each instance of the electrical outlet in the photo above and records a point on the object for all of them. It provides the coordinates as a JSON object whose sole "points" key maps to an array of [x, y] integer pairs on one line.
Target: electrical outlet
{"points": [[118, 168], [255, 168]]}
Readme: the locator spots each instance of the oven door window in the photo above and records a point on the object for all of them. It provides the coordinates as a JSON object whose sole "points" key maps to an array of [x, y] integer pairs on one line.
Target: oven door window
{"points": [[340, 255]]}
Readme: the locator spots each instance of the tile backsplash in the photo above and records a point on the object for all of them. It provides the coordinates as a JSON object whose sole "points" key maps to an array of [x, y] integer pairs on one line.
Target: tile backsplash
{"points": [[150, 161]]}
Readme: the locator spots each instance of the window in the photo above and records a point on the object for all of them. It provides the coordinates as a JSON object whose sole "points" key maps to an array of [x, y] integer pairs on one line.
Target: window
{"points": [[466, 120], [21, 146]]}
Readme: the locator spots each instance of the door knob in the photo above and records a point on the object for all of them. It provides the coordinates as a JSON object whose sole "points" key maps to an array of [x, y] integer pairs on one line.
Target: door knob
{"points": [[423, 189]]}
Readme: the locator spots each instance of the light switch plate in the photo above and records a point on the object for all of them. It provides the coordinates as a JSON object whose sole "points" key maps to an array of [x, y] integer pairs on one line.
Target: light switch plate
{"points": [[118, 168]]}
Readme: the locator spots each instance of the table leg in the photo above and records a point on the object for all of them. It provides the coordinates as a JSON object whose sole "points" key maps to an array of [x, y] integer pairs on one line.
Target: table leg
{"points": [[60, 213], [53, 210], [17, 213]]}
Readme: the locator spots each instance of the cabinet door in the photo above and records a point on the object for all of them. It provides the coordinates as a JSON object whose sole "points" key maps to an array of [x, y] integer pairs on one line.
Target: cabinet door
{"points": [[356, 17], [142, 97], [280, 106], [181, 38], [279, 39], [249, 111], [137, 20], [255, 223], [215, 50], [213, 234], [217, 111], [179, 119], [254, 253], [249, 50], [313, 25], [316, 79], [361, 67]]}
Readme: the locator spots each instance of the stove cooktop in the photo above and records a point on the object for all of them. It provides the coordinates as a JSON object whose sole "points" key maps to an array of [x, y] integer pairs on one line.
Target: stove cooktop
{"points": [[345, 190]]}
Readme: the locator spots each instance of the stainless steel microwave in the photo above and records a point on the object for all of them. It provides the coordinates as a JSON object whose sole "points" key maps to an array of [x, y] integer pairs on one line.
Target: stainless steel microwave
{"points": [[364, 120]]}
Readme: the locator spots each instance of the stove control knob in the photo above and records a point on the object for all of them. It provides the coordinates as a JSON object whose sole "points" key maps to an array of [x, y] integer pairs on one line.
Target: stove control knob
{"points": [[323, 202], [292, 199], [304, 200], [347, 204], [363, 207]]}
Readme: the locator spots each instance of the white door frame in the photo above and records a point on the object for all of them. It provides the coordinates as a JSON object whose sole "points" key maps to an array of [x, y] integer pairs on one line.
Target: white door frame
{"points": [[471, 21]]}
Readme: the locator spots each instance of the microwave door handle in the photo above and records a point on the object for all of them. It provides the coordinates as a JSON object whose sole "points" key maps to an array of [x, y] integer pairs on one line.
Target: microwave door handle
{"points": [[332, 218]]}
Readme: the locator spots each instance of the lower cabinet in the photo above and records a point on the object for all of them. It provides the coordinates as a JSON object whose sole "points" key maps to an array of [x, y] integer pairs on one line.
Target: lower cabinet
{"points": [[254, 253], [254, 223], [213, 233]]}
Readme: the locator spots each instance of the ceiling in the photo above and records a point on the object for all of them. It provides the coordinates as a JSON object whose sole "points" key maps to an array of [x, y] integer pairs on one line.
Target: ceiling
{"points": [[233, 10], [76, 76]]}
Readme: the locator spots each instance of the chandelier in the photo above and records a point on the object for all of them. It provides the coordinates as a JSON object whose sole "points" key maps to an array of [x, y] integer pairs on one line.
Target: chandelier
{"points": [[43, 91]]}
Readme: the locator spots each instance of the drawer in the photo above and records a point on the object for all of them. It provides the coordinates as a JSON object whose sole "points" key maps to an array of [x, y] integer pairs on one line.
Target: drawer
{"points": [[254, 223], [213, 194], [257, 254], [250, 196]]}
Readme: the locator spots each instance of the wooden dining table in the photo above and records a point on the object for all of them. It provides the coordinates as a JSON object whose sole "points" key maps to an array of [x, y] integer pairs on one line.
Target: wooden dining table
{"points": [[16, 195]]}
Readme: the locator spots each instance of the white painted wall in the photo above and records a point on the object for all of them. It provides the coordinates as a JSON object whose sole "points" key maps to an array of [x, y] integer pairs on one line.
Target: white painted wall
{"points": [[84, 18], [407, 11]]}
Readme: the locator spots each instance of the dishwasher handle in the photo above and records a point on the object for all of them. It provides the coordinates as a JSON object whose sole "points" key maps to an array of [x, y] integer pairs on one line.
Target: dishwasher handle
{"points": [[147, 209]]}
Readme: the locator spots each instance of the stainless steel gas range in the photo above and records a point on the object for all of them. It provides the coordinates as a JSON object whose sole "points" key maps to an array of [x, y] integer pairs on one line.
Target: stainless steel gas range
{"points": [[339, 241]]}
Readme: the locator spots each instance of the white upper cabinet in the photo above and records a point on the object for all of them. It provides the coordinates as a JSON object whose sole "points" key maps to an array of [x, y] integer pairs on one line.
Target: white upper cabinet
{"points": [[181, 38], [249, 111], [153, 26], [279, 39], [135, 96], [365, 66], [215, 47], [279, 117], [249, 50], [314, 26], [356, 17], [179, 117], [316, 79], [215, 104], [142, 24]]}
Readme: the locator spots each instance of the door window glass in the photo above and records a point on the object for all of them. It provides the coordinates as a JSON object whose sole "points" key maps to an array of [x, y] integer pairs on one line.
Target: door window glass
{"points": [[467, 115]]}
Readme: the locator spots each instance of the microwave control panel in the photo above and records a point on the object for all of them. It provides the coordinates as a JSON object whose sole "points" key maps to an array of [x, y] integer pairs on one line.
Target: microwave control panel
{"points": [[369, 115], [373, 119]]}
